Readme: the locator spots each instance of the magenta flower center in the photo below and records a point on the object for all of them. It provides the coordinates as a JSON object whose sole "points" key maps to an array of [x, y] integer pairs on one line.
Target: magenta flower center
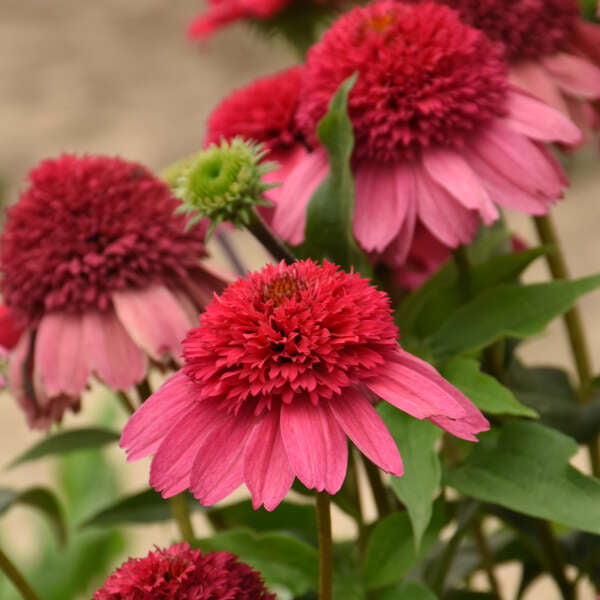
{"points": [[424, 79]]}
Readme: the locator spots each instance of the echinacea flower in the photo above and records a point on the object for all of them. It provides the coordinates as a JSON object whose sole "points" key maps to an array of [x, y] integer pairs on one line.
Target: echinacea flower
{"points": [[102, 275], [10, 328], [178, 572], [441, 138], [553, 53], [265, 112], [283, 368]]}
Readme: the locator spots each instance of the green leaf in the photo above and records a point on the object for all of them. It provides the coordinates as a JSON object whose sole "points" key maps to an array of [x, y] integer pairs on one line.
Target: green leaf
{"points": [[68, 441], [422, 471], [283, 561], [41, 499], [527, 470], [391, 548], [298, 519], [144, 507], [486, 392], [407, 590], [507, 310], [329, 215]]}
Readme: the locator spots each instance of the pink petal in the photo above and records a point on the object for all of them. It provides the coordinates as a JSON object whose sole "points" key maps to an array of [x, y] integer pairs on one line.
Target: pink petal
{"points": [[61, 357], [267, 471], [146, 429], [315, 444], [153, 318], [112, 354], [439, 212], [288, 161], [450, 170], [533, 78], [218, 468], [290, 215], [365, 428], [378, 211], [574, 74], [172, 463], [539, 121]]}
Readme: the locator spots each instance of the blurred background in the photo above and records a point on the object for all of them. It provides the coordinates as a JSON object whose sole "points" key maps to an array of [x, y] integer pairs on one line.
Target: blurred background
{"points": [[121, 78]]}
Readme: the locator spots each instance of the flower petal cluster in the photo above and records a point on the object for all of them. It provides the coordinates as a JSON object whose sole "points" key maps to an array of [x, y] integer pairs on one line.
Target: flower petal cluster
{"points": [[283, 368], [101, 274], [178, 572], [441, 138], [553, 53]]}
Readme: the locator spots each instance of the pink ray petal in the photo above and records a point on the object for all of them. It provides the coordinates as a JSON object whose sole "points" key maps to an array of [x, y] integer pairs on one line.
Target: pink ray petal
{"points": [[290, 214], [533, 78], [315, 444], [112, 354], [172, 463], [450, 170], [153, 318], [288, 161], [218, 468], [267, 470], [146, 429], [539, 121], [61, 357], [439, 212], [365, 428], [574, 74]]}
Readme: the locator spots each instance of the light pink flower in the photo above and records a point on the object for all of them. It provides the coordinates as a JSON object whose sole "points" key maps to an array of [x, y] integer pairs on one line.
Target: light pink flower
{"points": [[441, 138], [102, 275], [282, 370]]}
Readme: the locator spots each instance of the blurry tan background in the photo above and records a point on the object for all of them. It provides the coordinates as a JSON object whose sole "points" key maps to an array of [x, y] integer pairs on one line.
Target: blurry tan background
{"points": [[120, 78]]}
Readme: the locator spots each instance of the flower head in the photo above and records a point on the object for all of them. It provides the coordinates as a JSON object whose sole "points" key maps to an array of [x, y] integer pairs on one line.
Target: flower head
{"points": [[179, 572], [441, 138], [101, 274], [223, 183], [282, 369]]}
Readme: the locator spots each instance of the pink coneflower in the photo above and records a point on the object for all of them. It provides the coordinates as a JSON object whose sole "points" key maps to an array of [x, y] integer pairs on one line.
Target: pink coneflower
{"points": [[103, 275], [553, 53], [283, 368], [10, 329], [265, 112], [179, 573], [440, 136]]}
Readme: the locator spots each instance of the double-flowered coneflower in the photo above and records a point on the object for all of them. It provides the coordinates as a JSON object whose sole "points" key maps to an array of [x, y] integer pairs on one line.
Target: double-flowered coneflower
{"points": [[284, 367], [441, 137], [102, 276]]}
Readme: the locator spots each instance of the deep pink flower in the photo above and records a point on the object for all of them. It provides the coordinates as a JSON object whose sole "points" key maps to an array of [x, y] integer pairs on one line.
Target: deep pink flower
{"points": [[283, 368], [265, 112], [553, 53], [440, 136], [102, 274], [179, 573], [10, 328]]}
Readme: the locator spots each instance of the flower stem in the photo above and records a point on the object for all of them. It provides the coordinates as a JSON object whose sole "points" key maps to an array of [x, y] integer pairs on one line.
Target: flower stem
{"points": [[231, 254], [11, 571], [554, 553], [380, 495], [463, 266], [126, 403], [325, 549], [353, 480], [487, 561], [259, 229], [181, 514]]}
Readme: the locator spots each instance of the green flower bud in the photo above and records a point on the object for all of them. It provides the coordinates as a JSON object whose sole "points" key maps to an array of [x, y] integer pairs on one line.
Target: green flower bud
{"points": [[223, 183]]}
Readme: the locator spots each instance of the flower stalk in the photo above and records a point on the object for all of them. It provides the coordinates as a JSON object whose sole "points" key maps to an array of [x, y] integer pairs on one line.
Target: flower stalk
{"points": [[259, 229], [15, 576], [181, 514], [325, 546]]}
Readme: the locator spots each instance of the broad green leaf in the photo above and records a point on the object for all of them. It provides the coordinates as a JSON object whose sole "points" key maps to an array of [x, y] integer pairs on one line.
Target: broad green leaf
{"points": [[298, 519], [329, 214], [507, 310], [41, 499], [283, 560], [407, 590], [144, 507], [391, 548], [68, 441], [527, 470], [486, 392], [422, 471]]}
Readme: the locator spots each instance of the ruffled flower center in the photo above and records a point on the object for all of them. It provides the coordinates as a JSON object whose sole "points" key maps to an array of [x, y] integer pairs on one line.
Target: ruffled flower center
{"points": [[282, 287]]}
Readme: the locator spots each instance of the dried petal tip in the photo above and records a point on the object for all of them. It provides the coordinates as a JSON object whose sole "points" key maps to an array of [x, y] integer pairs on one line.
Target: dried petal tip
{"points": [[224, 182]]}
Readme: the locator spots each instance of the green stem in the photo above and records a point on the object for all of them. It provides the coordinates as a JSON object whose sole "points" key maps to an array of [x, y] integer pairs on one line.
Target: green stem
{"points": [[555, 556], [126, 402], [487, 561], [325, 546], [181, 514], [380, 495], [232, 256], [463, 266], [268, 239], [353, 480], [14, 575], [144, 391]]}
